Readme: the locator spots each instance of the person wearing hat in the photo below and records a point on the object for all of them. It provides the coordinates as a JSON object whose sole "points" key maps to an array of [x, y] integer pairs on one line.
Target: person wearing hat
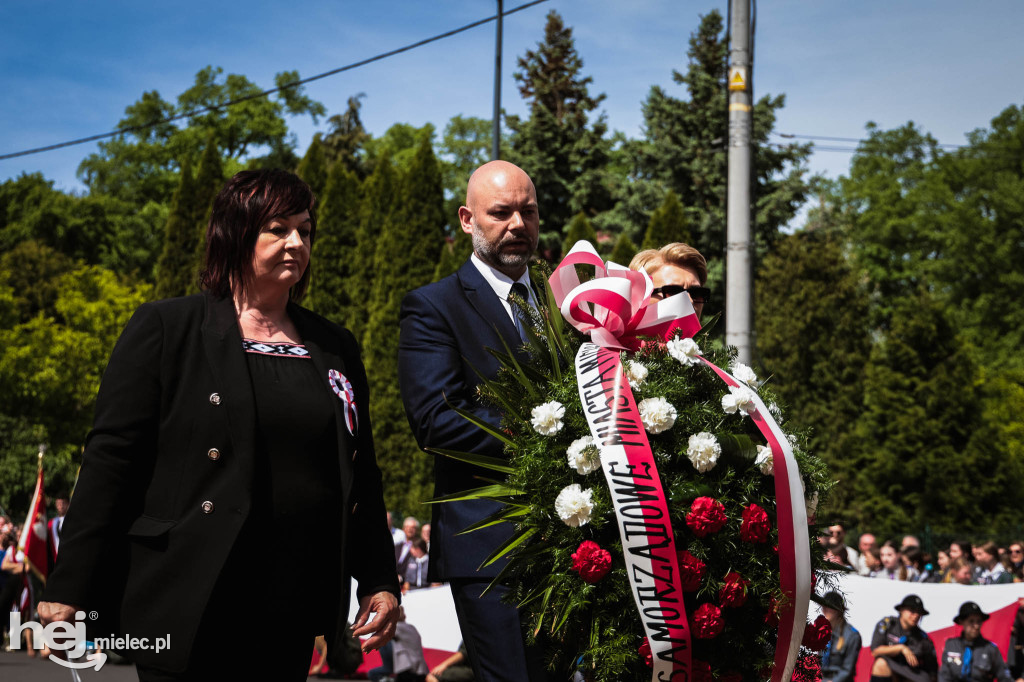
{"points": [[970, 657], [901, 649], [839, 661]]}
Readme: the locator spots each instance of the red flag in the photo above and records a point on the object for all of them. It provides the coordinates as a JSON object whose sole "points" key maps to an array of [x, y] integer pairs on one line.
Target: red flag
{"points": [[33, 534]]}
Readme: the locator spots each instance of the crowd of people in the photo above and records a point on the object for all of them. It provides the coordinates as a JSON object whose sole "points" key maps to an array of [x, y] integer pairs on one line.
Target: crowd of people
{"points": [[987, 563]]}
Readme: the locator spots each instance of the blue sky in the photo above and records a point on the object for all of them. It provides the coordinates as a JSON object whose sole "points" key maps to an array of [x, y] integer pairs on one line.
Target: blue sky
{"points": [[68, 69]]}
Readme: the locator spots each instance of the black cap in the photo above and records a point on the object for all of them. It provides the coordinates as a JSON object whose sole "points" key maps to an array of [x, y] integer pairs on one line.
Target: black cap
{"points": [[834, 600], [912, 603], [968, 609]]}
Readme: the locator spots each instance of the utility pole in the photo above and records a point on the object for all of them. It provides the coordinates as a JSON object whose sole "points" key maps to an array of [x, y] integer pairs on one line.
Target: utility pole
{"points": [[739, 247], [496, 123]]}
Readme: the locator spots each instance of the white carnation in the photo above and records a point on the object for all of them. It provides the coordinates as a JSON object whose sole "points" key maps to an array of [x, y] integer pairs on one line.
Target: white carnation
{"points": [[739, 398], [685, 351], [764, 460], [574, 505], [583, 455], [547, 418], [657, 414], [703, 451], [636, 373], [776, 411], [744, 373]]}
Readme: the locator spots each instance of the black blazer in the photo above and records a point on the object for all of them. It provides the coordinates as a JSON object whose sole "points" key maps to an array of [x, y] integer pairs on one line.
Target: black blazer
{"points": [[446, 328], [166, 477]]}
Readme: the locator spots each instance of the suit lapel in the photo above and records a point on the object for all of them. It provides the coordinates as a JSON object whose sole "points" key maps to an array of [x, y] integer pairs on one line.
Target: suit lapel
{"points": [[223, 344], [318, 343], [487, 304]]}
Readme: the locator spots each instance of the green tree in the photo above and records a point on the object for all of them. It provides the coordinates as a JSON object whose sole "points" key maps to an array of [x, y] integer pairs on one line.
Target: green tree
{"points": [[376, 211], [142, 163], [623, 251], [208, 183], [668, 224], [454, 253], [928, 459], [332, 258], [813, 340], [684, 150], [50, 367], [176, 269], [464, 147], [346, 138], [314, 167], [579, 228], [564, 151], [405, 248]]}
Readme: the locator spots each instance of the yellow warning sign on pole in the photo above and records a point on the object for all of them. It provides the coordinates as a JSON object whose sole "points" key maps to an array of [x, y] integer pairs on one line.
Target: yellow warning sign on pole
{"points": [[737, 78]]}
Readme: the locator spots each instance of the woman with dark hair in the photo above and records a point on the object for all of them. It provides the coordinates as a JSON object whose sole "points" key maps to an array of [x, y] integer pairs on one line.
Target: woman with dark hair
{"points": [[224, 421], [893, 567]]}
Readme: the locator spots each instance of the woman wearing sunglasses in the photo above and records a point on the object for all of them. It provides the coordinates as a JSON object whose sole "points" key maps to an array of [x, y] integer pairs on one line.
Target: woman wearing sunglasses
{"points": [[675, 268]]}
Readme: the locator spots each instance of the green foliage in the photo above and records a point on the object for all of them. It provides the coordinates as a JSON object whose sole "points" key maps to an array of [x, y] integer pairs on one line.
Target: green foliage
{"points": [[623, 251], [313, 168], [813, 338], [668, 224], [399, 144], [334, 244], [465, 146], [579, 228], [453, 254], [50, 367], [141, 166], [405, 248], [346, 138], [563, 151], [208, 183], [684, 150], [176, 269], [376, 212]]}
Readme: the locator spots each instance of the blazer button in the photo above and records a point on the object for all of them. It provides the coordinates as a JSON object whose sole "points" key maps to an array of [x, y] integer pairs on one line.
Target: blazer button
{"points": [[213, 453], [207, 507], [354, 507], [215, 398]]}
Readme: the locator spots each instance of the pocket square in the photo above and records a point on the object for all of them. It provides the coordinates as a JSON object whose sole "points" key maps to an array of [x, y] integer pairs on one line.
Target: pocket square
{"points": [[343, 389]]}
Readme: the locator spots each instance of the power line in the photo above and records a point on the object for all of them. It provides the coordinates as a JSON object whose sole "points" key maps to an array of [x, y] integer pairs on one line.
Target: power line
{"points": [[294, 84], [826, 138]]}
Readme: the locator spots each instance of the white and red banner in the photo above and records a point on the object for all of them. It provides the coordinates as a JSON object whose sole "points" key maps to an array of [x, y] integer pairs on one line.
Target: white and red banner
{"points": [[33, 534], [641, 508]]}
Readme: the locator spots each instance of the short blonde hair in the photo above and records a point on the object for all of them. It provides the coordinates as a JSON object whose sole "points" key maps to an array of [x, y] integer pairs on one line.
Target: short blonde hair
{"points": [[678, 254]]}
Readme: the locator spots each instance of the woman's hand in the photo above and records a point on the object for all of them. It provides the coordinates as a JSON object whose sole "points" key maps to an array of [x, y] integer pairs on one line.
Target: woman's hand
{"points": [[909, 655], [385, 605]]}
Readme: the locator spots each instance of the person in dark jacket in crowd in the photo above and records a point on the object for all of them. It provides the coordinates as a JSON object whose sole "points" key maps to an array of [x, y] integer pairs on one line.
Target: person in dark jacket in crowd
{"points": [[902, 650], [839, 661], [970, 657]]}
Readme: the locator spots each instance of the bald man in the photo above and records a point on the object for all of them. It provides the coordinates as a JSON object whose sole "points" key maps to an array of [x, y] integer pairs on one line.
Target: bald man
{"points": [[446, 328]]}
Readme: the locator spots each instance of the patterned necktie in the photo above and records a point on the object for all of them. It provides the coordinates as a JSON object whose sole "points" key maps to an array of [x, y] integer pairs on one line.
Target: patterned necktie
{"points": [[519, 289]]}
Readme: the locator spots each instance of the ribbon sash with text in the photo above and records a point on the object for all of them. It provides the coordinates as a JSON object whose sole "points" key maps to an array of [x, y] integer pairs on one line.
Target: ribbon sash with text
{"points": [[641, 509]]}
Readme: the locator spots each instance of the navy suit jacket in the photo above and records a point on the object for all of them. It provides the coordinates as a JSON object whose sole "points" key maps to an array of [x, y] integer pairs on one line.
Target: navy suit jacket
{"points": [[446, 329]]}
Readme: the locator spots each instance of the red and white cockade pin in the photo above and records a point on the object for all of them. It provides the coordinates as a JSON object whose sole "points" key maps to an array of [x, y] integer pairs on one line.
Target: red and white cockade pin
{"points": [[343, 389]]}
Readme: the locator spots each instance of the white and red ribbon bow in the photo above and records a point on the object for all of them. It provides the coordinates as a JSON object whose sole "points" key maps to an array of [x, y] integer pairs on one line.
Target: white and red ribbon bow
{"points": [[615, 308]]}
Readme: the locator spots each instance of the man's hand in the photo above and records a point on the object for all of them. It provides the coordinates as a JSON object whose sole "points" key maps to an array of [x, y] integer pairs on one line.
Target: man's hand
{"points": [[385, 605], [54, 612]]}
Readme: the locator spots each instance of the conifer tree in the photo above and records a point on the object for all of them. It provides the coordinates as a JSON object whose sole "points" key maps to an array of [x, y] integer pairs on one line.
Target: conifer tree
{"points": [[453, 254], [668, 224], [346, 139], [175, 269], [208, 182], [313, 168], [376, 210], [405, 259], [624, 250], [579, 228], [334, 247], [564, 151]]}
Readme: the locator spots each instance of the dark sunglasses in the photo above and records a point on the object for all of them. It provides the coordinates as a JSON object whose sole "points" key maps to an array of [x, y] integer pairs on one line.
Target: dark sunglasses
{"points": [[697, 294]]}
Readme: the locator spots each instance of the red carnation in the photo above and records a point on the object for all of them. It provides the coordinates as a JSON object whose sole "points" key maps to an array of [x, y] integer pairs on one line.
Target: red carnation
{"points": [[691, 571], [701, 671], [707, 621], [771, 617], [707, 515], [591, 562], [818, 634], [645, 653], [734, 592], [808, 669], [755, 526]]}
